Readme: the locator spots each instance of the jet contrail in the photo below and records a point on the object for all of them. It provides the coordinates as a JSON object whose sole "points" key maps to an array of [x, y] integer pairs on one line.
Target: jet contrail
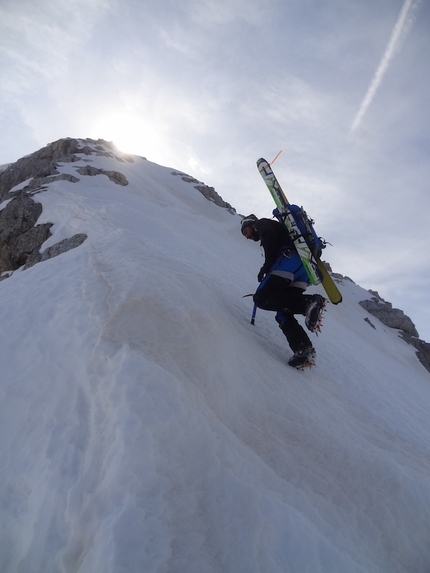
{"points": [[382, 68]]}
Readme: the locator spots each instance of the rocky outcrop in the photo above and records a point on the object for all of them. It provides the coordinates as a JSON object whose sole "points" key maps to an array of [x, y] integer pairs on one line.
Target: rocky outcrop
{"points": [[211, 195], [41, 168], [422, 348], [57, 249], [114, 176], [395, 318], [208, 192], [20, 236], [392, 317]]}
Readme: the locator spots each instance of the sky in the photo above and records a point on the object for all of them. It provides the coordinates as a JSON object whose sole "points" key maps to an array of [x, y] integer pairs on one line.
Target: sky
{"points": [[209, 86], [162, 432]]}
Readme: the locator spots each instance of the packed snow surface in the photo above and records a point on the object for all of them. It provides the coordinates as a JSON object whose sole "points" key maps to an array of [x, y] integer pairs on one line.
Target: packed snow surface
{"points": [[148, 427]]}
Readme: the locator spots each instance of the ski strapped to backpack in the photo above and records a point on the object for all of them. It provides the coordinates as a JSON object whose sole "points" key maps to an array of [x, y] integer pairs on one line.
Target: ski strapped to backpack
{"points": [[300, 227], [304, 228]]}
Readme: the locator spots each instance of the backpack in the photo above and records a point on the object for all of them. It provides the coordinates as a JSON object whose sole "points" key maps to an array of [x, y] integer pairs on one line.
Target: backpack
{"points": [[305, 226]]}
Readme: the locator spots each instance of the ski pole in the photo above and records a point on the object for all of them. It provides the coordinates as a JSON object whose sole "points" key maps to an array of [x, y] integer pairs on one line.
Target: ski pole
{"points": [[254, 312]]}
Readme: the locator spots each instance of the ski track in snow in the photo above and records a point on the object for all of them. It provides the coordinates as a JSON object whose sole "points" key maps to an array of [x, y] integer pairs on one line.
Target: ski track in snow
{"points": [[147, 426]]}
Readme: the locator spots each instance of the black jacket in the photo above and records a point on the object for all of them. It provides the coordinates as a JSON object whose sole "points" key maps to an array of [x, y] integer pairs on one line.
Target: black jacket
{"points": [[274, 237]]}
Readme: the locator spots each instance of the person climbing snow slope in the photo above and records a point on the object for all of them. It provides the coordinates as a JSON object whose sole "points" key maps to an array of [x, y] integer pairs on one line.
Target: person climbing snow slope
{"points": [[283, 281]]}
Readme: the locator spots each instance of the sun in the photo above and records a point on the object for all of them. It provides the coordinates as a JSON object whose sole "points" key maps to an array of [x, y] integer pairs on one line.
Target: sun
{"points": [[128, 132]]}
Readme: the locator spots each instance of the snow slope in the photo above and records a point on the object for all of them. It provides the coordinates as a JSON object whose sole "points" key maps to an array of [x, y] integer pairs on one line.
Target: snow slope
{"points": [[148, 427]]}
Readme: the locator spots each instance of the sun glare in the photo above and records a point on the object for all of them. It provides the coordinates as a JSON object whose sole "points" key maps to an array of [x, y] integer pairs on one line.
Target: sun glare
{"points": [[136, 136], [129, 133]]}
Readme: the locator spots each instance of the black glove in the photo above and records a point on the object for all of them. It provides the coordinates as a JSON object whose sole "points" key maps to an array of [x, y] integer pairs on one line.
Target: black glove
{"points": [[261, 275]]}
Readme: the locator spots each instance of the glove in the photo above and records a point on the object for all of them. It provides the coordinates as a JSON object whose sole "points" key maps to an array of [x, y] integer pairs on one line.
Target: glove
{"points": [[261, 275]]}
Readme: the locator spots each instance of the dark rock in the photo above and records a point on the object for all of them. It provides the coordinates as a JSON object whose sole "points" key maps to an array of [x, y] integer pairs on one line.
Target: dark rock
{"points": [[57, 249], [392, 317], [423, 349], [395, 318], [212, 195], [370, 322], [114, 176], [20, 237], [208, 192], [38, 165]]}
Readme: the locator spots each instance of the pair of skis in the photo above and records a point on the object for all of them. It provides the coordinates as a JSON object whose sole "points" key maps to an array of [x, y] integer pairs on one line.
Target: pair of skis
{"points": [[315, 268]]}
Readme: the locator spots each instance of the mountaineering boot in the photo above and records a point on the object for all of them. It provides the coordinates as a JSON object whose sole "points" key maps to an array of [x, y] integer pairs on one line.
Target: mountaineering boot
{"points": [[303, 358], [313, 317]]}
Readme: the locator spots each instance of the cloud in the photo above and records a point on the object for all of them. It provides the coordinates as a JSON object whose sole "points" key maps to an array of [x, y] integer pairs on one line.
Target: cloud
{"points": [[398, 31]]}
